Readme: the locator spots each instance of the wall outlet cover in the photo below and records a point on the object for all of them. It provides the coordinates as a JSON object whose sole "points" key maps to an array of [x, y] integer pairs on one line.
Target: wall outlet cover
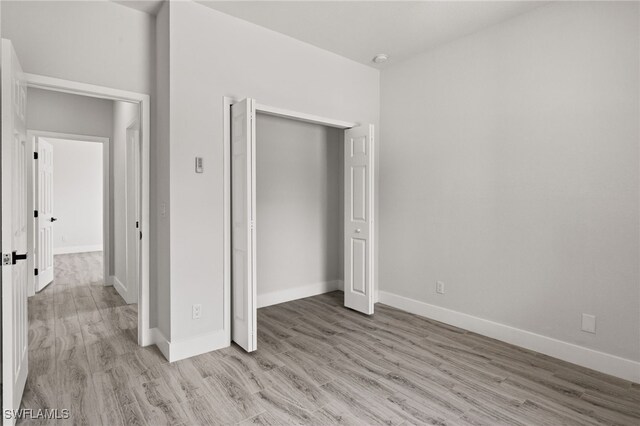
{"points": [[197, 311], [439, 287]]}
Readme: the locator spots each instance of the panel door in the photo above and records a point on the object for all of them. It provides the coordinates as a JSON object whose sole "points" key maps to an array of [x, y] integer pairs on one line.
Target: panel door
{"points": [[14, 232], [133, 215], [358, 219], [45, 220], [243, 226]]}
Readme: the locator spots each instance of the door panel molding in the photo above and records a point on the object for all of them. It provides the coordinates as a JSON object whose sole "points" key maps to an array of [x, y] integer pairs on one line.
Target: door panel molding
{"points": [[359, 202]]}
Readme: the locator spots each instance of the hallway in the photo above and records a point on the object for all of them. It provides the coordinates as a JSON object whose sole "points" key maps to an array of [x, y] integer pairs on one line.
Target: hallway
{"points": [[79, 329]]}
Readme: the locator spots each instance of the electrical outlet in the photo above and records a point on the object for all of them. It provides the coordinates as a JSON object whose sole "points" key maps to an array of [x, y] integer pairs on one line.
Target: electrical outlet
{"points": [[197, 311], [163, 210], [589, 323], [439, 287], [64, 238]]}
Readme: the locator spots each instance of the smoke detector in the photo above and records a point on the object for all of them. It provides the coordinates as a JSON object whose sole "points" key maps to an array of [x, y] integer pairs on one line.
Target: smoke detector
{"points": [[380, 58]]}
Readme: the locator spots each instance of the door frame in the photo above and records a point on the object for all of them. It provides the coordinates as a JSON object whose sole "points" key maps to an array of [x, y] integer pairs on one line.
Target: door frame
{"points": [[227, 101], [106, 202], [143, 100]]}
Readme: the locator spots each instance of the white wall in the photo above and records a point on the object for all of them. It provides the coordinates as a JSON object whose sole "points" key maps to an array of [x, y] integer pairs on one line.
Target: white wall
{"points": [[65, 113], [125, 114], [509, 170], [300, 221], [213, 55], [98, 42], [77, 192]]}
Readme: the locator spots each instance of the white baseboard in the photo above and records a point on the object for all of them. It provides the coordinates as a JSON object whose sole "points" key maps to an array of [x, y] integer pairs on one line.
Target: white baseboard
{"points": [[156, 337], [275, 297], [120, 288], [149, 336], [606, 363], [76, 249], [186, 348]]}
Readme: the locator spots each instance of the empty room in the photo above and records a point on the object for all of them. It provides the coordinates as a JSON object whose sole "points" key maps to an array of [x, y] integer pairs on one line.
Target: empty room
{"points": [[320, 212]]}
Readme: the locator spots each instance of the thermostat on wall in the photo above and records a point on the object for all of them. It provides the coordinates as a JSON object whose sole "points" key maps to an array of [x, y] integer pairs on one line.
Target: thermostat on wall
{"points": [[199, 165]]}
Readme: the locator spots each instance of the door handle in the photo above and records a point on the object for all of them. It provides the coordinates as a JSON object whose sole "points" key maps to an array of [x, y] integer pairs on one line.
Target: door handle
{"points": [[15, 257], [53, 219], [358, 230]]}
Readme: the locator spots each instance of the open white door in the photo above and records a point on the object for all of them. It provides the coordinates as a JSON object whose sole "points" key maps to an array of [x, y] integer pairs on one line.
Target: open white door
{"points": [[15, 325], [358, 219], [44, 218], [243, 230], [133, 215]]}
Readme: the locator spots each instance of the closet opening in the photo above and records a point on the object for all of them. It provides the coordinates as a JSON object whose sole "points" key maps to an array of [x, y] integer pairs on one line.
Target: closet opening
{"points": [[301, 220]]}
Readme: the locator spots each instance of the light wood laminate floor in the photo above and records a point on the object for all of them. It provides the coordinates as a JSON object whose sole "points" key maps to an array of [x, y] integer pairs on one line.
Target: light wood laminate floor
{"points": [[317, 363]]}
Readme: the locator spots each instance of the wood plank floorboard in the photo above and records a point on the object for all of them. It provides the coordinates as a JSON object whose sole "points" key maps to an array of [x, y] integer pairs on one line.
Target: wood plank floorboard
{"points": [[317, 363]]}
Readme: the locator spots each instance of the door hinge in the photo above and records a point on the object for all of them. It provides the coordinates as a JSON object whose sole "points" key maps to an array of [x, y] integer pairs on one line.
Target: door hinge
{"points": [[140, 235], [137, 224], [35, 271], [35, 155], [35, 213], [6, 259]]}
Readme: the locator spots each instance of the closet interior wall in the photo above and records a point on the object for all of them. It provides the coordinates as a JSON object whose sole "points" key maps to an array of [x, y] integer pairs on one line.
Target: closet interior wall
{"points": [[300, 199]]}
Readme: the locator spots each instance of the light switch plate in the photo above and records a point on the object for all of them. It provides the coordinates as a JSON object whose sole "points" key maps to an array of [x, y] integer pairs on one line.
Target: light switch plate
{"points": [[589, 323], [199, 165]]}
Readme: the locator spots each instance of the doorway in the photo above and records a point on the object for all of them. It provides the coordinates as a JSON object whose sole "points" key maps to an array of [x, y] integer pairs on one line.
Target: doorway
{"points": [[70, 200], [359, 194], [141, 124]]}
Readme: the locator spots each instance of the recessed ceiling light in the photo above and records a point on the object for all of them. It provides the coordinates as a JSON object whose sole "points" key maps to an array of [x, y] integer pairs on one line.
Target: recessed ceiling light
{"points": [[380, 58]]}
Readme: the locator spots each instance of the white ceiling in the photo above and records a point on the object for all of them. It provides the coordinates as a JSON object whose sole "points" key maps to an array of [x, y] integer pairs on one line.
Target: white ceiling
{"points": [[361, 29]]}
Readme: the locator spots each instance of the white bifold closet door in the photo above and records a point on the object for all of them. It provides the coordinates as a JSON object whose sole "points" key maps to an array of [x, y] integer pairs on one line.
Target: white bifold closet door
{"points": [[358, 219], [243, 233], [358, 214]]}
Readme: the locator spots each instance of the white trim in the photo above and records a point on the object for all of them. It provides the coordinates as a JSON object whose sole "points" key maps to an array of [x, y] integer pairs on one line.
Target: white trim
{"points": [[69, 136], [226, 215], [192, 346], [77, 88], [31, 221], [155, 336], [77, 249], [301, 116], [120, 288], [275, 297], [83, 89], [606, 363]]}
